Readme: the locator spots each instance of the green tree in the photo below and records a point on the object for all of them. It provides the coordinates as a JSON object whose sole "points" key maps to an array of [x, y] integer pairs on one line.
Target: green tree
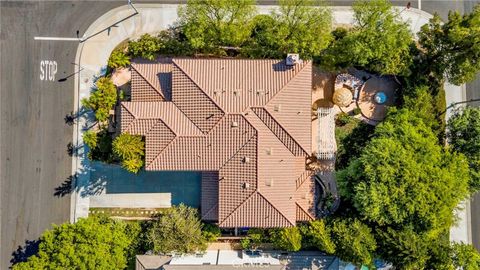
{"points": [[464, 137], [145, 47], [209, 24], [264, 41], [379, 41], [90, 138], [452, 49], [427, 106], [405, 249], [177, 230], [288, 239], [91, 243], [297, 26], [131, 150], [321, 236], [465, 257], [354, 240], [118, 59], [303, 26], [211, 232], [102, 99], [403, 177]]}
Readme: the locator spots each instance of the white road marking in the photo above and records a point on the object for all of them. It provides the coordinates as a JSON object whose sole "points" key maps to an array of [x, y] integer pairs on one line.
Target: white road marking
{"points": [[57, 38], [48, 69]]}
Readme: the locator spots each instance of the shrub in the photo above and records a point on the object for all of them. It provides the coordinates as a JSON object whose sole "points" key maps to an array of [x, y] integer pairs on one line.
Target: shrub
{"points": [[177, 230], [90, 138], [102, 99], [118, 59], [211, 232], [288, 239], [342, 119], [146, 47], [131, 150], [103, 149], [357, 111], [354, 241], [320, 236]]}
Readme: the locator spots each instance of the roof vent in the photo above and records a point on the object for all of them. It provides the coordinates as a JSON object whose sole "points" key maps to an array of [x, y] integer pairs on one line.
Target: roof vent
{"points": [[246, 159], [246, 185], [234, 124], [292, 59], [269, 151], [269, 182], [236, 92], [277, 107], [260, 92]]}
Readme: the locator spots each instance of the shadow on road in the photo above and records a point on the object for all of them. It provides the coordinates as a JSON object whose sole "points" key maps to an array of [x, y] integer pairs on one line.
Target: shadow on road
{"points": [[24, 252], [81, 182], [65, 188]]}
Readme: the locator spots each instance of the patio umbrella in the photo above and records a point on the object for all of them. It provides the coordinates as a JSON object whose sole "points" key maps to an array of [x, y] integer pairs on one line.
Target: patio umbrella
{"points": [[342, 97]]}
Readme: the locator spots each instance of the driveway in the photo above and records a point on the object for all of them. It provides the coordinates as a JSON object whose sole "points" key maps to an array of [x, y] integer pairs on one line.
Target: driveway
{"points": [[107, 181]]}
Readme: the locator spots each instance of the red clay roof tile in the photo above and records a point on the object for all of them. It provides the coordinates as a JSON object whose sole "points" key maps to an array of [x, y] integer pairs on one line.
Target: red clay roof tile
{"points": [[245, 124]]}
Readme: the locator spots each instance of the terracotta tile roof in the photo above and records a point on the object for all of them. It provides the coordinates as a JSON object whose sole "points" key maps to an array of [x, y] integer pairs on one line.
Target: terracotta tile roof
{"points": [[244, 123], [209, 195], [152, 80]]}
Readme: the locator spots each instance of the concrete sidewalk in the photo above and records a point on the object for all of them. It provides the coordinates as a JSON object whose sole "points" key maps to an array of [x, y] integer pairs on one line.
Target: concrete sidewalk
{"points": [[111, 29]]}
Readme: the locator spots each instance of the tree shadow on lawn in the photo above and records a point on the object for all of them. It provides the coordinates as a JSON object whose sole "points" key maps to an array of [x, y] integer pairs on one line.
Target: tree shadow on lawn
{"points": [[24, 252]]}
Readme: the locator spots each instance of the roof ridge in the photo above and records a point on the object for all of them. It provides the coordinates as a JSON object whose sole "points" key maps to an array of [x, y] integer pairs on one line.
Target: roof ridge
{"points": [[306, 63], [276, 209], [201, 90], [235, 210], [122, 104], [210, 210], [239, 149], [147, 80], [283, 129], [304, 211], [160, 121], [301, 178], [166, 146], [194, 82]]}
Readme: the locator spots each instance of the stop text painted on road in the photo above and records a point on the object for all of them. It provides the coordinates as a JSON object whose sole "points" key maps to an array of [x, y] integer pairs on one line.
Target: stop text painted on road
{"points": [[48, 69]]}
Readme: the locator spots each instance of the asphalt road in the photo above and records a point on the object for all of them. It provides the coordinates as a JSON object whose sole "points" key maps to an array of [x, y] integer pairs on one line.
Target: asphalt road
{"points": [[33, 133]]}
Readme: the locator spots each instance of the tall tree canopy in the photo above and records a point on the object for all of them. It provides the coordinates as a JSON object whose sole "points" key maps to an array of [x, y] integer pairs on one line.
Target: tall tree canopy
{"points": [[404, 248], [464, 136], [209, 24], [452, 49], [354, 240], [288, 239], [379, 41], [91, 243], [403, 177], [303, 26], [321, 236], [297, 26], [177, 230]]}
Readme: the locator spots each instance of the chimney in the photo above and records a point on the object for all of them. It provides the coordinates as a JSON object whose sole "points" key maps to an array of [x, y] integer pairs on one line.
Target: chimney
{"points": [[292, 59]]}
